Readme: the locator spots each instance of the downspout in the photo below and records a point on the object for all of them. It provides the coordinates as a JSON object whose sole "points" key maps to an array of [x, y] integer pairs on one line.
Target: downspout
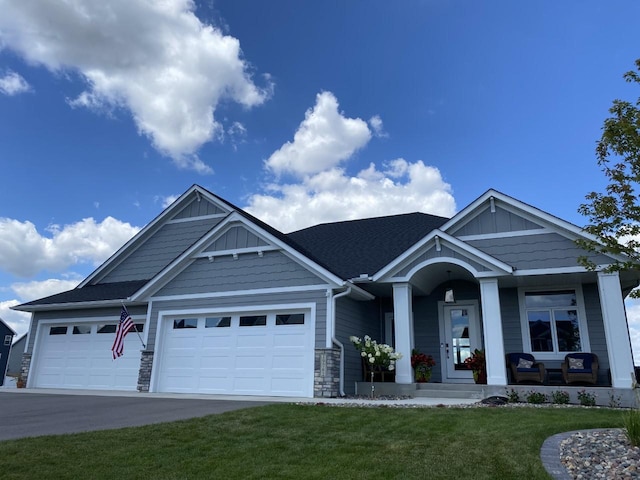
{"points": [[333, 336]]}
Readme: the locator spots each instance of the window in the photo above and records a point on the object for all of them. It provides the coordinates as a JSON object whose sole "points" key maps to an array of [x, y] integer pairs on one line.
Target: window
{"points": [[214, 322], [553, 321], [7, 339], [253, 320], [109, 328], [139, 327], [81, 329], [185, 323], [290, 319], [58, 331]]}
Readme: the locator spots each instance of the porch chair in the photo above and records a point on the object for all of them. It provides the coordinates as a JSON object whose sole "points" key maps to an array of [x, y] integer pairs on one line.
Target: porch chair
{"points": [[580, 367], [524, 368]]}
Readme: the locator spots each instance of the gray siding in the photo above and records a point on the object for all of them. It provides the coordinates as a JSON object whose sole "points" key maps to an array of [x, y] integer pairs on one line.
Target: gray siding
{"points": [[432, 253], [159, 250], [595, 324], [426, 324], [500, 221], [359, 319], [234, 238], [511, 325], [248, 272], [198, 209], [532, 251], [318, 297]]}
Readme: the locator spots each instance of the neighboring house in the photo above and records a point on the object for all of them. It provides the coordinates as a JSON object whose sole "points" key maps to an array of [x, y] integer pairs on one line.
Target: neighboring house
{"points": [[6, 339], [229, 305], [15, 357]]}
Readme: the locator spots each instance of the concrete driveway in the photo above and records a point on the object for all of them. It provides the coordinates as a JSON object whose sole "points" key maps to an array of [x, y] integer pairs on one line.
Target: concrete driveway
{"points": [[30, 414]]}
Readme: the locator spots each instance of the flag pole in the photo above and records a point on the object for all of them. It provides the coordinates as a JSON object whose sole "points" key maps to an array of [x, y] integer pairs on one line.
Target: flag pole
{"points": [[135, 327]]}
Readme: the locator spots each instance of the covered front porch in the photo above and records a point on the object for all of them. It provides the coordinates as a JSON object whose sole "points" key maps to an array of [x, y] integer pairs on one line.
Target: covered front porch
{"points": [[448, 307]]}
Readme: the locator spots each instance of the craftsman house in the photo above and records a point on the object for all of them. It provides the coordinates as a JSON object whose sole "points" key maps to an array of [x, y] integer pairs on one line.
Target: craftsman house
{"points": [[226, 304]]}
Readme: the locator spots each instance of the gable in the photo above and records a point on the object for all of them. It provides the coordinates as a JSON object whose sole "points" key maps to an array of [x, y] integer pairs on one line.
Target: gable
{"points": [[235, 238], [491, 221], [199, 207], [160, 249]]}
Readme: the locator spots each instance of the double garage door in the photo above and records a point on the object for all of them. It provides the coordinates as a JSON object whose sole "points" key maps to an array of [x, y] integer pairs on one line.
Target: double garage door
{"points": [[78, 355], [268, 353]]}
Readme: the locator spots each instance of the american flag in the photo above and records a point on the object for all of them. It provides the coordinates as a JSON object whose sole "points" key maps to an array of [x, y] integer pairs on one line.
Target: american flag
{"points": [[125, 325]]}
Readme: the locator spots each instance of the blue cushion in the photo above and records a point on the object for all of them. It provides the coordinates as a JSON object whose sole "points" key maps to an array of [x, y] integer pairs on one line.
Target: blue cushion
{"points": [[531, 370], [579, 370]]}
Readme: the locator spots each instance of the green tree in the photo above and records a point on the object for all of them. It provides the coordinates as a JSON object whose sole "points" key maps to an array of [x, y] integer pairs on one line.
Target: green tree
{"points": [[614, 216]]}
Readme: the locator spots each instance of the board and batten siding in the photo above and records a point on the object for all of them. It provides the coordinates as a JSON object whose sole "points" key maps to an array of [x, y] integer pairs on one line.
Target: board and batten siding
{"points": [[500, 221], [230, 304], [248, 272], [199, 208], [357, 318], [160, 250], [234, 238]]}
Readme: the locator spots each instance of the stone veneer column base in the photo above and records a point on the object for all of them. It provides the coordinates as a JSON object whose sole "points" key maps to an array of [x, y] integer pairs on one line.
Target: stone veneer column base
{"points": [[144, 375], [25, 366], [326, 381]]}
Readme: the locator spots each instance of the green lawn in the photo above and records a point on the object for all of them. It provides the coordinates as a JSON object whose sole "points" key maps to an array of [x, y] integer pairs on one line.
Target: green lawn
{"points": [[308, 441]]}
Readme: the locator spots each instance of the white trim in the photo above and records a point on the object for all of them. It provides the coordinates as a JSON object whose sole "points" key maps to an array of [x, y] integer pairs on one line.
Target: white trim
{"points": [[235, 251], [165, 315], [585, 344], [549, 271], [493, 236], [193, 219], [240, 293], [476, 341]]}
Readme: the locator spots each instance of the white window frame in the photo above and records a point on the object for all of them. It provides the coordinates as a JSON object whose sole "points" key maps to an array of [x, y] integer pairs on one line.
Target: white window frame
{"points": [[585, 345]]}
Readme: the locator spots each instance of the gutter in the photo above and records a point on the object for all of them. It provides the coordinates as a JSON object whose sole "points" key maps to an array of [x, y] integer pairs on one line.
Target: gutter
{"points": [[334, 340]]}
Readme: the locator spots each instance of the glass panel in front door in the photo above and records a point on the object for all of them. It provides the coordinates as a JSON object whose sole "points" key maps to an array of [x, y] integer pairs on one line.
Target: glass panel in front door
{"points": [[460, 342]]}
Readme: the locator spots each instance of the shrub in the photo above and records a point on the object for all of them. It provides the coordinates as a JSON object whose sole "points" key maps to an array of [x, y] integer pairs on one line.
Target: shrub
{"points": [[631, 421], [536, 397], [587, 399], [560, 397], [513, 396]]}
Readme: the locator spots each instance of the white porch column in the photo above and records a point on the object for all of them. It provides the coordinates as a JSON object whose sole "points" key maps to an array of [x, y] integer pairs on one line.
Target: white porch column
{"points": [[493, 338], [402, 321], [616, 329]]}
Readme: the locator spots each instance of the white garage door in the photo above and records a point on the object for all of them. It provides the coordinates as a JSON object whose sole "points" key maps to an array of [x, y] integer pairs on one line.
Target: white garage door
{"points": [[78, 355], [257, 354]]}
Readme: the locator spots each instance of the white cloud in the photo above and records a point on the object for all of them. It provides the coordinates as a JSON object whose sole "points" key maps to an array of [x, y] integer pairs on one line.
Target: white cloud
{"points": [[324, 139], [376, 125], [13, 84], [332, 195], [155, 59], [24, 251], [17, 321]]}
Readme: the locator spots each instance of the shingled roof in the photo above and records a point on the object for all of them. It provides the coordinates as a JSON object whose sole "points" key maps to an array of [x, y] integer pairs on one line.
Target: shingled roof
{"points": [[92, 293], [352, 248]]}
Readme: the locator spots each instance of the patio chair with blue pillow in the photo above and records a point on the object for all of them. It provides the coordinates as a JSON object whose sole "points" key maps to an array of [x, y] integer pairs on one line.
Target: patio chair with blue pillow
{"points": [[580, 367], [524, 368]]}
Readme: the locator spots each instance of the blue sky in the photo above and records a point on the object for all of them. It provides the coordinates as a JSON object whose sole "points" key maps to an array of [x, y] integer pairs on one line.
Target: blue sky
{"points": [[300, 112]]}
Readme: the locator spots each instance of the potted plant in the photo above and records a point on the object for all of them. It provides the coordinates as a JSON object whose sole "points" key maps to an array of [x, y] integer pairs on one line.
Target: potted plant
{"points": [[478, 364], [422, 365]]}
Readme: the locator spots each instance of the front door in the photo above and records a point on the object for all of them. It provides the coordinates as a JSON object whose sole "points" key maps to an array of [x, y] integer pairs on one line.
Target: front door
{"points": [[461, 335]]}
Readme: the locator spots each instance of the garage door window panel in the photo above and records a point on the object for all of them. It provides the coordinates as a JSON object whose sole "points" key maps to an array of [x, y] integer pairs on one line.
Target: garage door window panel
{"points": [[253, 321], [58, 331], [81, 329], [217, 322], [179, 324], [290, 319], [110, 328]]}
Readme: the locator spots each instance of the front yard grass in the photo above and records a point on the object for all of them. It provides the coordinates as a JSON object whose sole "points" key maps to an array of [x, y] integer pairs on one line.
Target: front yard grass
{"points": [[311, 442]]}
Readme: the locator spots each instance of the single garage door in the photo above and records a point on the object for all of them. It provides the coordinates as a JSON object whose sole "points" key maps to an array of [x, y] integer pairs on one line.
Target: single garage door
{"points": [[78, 355], [258, 354]]}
